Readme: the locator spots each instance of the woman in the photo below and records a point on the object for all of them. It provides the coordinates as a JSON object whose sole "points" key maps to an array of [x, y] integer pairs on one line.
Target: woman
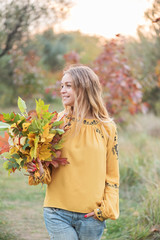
{"points": [[82, 194]]}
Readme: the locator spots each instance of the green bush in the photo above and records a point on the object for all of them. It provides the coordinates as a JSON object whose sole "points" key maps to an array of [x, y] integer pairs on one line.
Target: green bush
{"points": [[6, 95], [152, 96]]}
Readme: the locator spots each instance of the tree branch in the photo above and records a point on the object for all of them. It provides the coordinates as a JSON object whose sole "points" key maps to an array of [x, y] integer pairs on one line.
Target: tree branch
{"points": [[12, 34]]}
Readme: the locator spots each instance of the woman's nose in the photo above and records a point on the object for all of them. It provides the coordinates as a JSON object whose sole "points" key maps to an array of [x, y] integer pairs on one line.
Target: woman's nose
{"points": [[63, 89]]}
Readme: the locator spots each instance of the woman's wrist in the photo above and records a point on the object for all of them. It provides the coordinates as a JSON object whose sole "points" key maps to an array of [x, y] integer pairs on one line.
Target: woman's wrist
{"points": [[41, 172]]}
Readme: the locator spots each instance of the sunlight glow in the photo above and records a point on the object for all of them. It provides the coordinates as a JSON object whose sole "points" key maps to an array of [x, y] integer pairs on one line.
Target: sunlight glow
{"points": [[107, 17]]}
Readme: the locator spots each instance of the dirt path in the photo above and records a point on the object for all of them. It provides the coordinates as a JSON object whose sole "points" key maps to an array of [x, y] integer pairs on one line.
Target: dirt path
{"points": [[25, 222]]}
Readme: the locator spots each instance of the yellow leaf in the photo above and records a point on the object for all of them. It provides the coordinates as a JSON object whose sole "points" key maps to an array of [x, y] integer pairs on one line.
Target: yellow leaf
{"points": [[14, 125], [31, 137], [33, 151], [46, 131], [46, 135], [44, 152], [25, 126], [19, 160], [13, 150], [29, 159], [26, 151], [51, 136]]}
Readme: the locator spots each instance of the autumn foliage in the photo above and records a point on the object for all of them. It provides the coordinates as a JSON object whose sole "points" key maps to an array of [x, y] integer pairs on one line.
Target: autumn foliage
{"points": [[30, 136], [121, 91], [71, 58], [4, 145]]}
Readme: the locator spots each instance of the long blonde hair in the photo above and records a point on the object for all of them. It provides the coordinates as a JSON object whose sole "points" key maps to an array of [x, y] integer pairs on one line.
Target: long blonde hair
{"points": [[88, 95]]}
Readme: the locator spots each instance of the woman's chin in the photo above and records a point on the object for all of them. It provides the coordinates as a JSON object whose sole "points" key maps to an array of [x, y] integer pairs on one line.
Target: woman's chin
{"points": [[67, 104]]}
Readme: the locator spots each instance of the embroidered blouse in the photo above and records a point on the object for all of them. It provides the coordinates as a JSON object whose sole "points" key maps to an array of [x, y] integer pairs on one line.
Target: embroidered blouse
{"points": [[91, 181]]}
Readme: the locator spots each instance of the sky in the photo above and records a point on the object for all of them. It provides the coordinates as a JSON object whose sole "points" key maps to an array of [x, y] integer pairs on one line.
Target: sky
{"points": [[106, 17]]}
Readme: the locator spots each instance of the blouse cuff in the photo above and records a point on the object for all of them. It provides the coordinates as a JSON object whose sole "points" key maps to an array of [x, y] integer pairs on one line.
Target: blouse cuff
{"points": [[99, 214], [39, 178]]}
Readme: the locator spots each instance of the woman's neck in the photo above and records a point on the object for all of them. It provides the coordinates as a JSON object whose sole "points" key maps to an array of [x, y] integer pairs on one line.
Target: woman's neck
{"points": [[89, 116]]}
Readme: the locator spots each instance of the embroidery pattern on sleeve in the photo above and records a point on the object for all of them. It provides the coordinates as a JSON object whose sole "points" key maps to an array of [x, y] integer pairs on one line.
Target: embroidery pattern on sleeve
{"points": [[112, 185], [115, 147]]}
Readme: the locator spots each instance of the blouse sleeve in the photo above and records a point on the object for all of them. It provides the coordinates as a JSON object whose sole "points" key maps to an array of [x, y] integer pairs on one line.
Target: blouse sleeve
{"points": [[44, 178], [110, 204]]}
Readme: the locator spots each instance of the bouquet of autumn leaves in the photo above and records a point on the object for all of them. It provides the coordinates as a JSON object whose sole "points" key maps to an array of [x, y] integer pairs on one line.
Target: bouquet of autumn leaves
{"points": [[30, 136]]}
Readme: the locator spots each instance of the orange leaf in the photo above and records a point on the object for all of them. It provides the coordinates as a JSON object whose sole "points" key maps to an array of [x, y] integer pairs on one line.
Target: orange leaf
{"points": [[55, 117], [4, 145], [2, 118], [32, 113]]}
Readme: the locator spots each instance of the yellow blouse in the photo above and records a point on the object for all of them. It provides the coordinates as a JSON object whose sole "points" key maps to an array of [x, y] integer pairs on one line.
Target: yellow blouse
{"points": [[91, 181]]}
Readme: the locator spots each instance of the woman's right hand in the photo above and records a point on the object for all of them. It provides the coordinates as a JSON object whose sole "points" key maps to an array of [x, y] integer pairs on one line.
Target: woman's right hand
{"points": [[31, 167]]}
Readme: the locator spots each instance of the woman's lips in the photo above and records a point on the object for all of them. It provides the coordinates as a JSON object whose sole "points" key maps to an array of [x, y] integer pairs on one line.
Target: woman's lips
{"points": [[64, 98]]}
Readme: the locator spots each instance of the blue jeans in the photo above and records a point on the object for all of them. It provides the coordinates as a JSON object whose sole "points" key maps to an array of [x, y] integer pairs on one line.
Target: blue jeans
{"points": [[66, 225]]}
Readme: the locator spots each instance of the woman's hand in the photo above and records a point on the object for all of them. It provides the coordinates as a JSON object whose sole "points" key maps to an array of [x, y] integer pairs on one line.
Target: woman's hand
{"points": [[91, 214], [31, 167]]}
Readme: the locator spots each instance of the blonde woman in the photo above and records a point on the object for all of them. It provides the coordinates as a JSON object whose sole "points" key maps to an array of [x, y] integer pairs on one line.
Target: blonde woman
{"points": [[84, 193]]}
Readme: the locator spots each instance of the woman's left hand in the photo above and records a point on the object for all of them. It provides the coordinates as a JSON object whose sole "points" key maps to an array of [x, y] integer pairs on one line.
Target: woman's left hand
{"points": [[91, 214]]}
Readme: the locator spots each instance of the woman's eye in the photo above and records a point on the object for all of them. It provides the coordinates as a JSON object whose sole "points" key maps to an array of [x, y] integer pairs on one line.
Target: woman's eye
{"points": [[68, 86]]}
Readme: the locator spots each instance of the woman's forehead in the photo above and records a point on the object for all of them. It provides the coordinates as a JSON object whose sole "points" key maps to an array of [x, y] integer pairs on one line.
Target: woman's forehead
{"points": [[66, 78]]}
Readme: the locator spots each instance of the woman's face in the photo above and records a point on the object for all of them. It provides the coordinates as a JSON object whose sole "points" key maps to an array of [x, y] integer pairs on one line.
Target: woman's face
{"points": [[67, 91]]}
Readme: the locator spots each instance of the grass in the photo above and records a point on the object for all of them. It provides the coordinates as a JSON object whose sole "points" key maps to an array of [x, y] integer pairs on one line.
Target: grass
{"points": [[21, 215], [21, 208], [55, 105], [140, 182]]}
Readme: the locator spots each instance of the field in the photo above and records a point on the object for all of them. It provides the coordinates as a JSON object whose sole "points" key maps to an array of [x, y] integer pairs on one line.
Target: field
{"points": [[21, 212]]}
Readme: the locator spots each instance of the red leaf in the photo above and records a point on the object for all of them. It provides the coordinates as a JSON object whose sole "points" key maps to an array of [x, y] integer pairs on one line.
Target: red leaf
{"points": [[13, 117], [72, 57], [58, 154], [56, 162], [32, 113], [14, 169], [4, 145], [55, 117], [2, 118]]}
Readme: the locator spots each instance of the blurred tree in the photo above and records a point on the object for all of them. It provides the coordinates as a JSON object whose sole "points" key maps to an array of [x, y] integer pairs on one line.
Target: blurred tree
{"points": [[54, 46], [122, 92], [51, 48], [72, 58], [144, 56], [88, 47], [153, 14], [57, 45], [23, 76], [19, 21], [18, 18]]}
